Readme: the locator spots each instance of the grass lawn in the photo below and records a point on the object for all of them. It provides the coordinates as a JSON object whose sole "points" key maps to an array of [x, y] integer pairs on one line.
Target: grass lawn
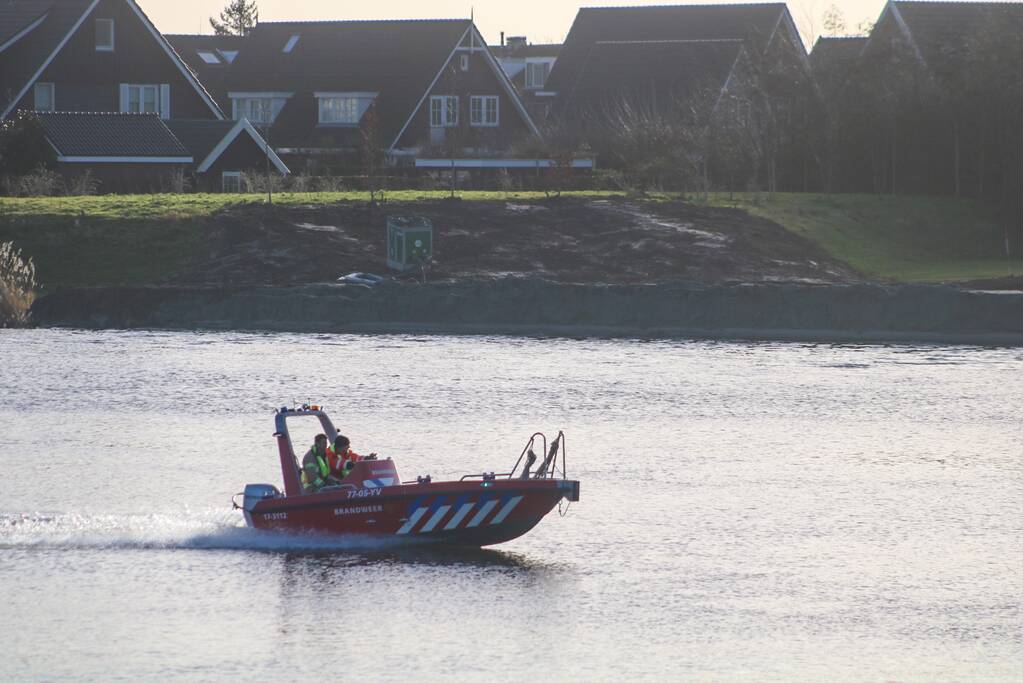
{"points": [[910, 239], [175, 206], [124, 239]]}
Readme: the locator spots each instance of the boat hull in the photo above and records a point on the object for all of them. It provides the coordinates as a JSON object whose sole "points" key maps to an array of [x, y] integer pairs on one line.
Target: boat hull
{"points": [[468, 513]]}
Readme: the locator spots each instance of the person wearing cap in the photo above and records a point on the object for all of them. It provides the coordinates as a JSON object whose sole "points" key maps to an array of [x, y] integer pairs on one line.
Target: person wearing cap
{"points": [[341, 458], [316, 464]]}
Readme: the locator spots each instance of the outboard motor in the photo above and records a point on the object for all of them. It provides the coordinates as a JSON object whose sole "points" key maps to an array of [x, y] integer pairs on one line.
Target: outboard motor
{"points": [[255, 493]]}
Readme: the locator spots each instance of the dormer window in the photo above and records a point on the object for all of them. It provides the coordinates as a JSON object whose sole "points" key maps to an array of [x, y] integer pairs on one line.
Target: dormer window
{"points": [[258, 107], [290, 45], [104, 35], [343, 108], [536, 74], [209, 57]]}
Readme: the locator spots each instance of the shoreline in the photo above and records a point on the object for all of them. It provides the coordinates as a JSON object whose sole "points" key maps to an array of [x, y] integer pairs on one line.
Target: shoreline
{"points": [[860, 313]]}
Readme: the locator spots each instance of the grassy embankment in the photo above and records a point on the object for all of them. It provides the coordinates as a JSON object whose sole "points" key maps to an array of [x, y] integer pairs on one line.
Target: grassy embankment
{"points": [[129, 239], [908, 239], [116, 239]]}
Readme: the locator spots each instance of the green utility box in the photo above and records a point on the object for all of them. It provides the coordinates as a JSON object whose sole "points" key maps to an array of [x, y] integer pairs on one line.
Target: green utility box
{"points": [[409, 242]]}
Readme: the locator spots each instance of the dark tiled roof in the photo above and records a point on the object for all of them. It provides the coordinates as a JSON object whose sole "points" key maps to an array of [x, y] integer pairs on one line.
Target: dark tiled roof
{"points": [[200, 136], [940, 29], [17, 15], [195, 41], [661, 72], [98, 134], [397, 59], [212, 75], [754, 23], [19, 62], [836, 52]]}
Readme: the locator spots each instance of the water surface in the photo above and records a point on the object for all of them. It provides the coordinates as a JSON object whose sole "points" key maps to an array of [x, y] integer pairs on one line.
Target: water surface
{"points": [[769, 512]]}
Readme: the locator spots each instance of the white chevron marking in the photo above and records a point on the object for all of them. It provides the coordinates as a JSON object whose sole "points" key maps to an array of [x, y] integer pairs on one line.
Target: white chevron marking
{"points": [[506, 510], [437, 516], [484, 511], [416, 516], [459, 516]]}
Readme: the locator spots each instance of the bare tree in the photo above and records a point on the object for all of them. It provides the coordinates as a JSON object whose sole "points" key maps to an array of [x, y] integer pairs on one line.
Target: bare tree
{"points": [[834, 21], [372, 153], [992, 83], [655, 143]]}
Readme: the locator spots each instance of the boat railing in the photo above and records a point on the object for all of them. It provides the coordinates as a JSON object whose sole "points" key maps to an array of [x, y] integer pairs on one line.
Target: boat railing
{"points": [[548, 468], [527, 452]]}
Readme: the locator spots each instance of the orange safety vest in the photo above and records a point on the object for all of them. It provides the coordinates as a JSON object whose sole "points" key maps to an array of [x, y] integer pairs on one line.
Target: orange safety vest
{"points": [[337, 462]]}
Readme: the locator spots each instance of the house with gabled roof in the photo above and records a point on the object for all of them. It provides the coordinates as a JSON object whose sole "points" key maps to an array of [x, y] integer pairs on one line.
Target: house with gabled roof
{"points": [[764, 28], [427, 86], [618, 72], [672, 52], [917, 78], [93, 55], [106, 85], [936, 33]]}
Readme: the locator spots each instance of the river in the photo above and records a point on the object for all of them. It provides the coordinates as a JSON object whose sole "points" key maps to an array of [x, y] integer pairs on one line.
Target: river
{"points": [[768, 512]]}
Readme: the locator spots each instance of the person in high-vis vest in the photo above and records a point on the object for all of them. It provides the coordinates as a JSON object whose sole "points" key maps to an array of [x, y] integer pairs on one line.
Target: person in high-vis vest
{"points": [[342, 458], [315, 465]]}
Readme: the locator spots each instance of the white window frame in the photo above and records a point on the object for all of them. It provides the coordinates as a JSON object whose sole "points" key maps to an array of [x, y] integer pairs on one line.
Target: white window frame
{"points": [[265, 110], [236, 175], [141, 89], [113, 41], [443, 111], [53, 96], [546, 70], [345, 113], [240, 107], [480, 111]]}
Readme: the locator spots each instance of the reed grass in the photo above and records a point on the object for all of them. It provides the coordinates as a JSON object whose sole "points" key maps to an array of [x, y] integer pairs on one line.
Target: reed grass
{"points": [[17, 286]]}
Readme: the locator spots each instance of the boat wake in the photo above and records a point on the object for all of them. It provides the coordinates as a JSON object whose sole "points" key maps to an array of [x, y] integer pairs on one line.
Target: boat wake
{"points": [[187, 530]]}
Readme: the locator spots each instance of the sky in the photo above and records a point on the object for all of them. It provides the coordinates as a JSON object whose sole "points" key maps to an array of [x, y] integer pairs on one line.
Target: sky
{"points": [[541, 21]]}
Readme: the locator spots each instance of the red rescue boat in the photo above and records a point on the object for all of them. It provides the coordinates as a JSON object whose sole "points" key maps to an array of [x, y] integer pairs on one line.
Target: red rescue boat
{"points": [[371, 501]]}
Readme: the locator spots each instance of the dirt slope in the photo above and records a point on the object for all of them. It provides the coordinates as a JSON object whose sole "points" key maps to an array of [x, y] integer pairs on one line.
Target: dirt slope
{"points": [[562, 240]]}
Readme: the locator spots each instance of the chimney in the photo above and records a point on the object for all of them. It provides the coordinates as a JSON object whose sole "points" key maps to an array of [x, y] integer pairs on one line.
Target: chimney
{"points": [[502, 38]]}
